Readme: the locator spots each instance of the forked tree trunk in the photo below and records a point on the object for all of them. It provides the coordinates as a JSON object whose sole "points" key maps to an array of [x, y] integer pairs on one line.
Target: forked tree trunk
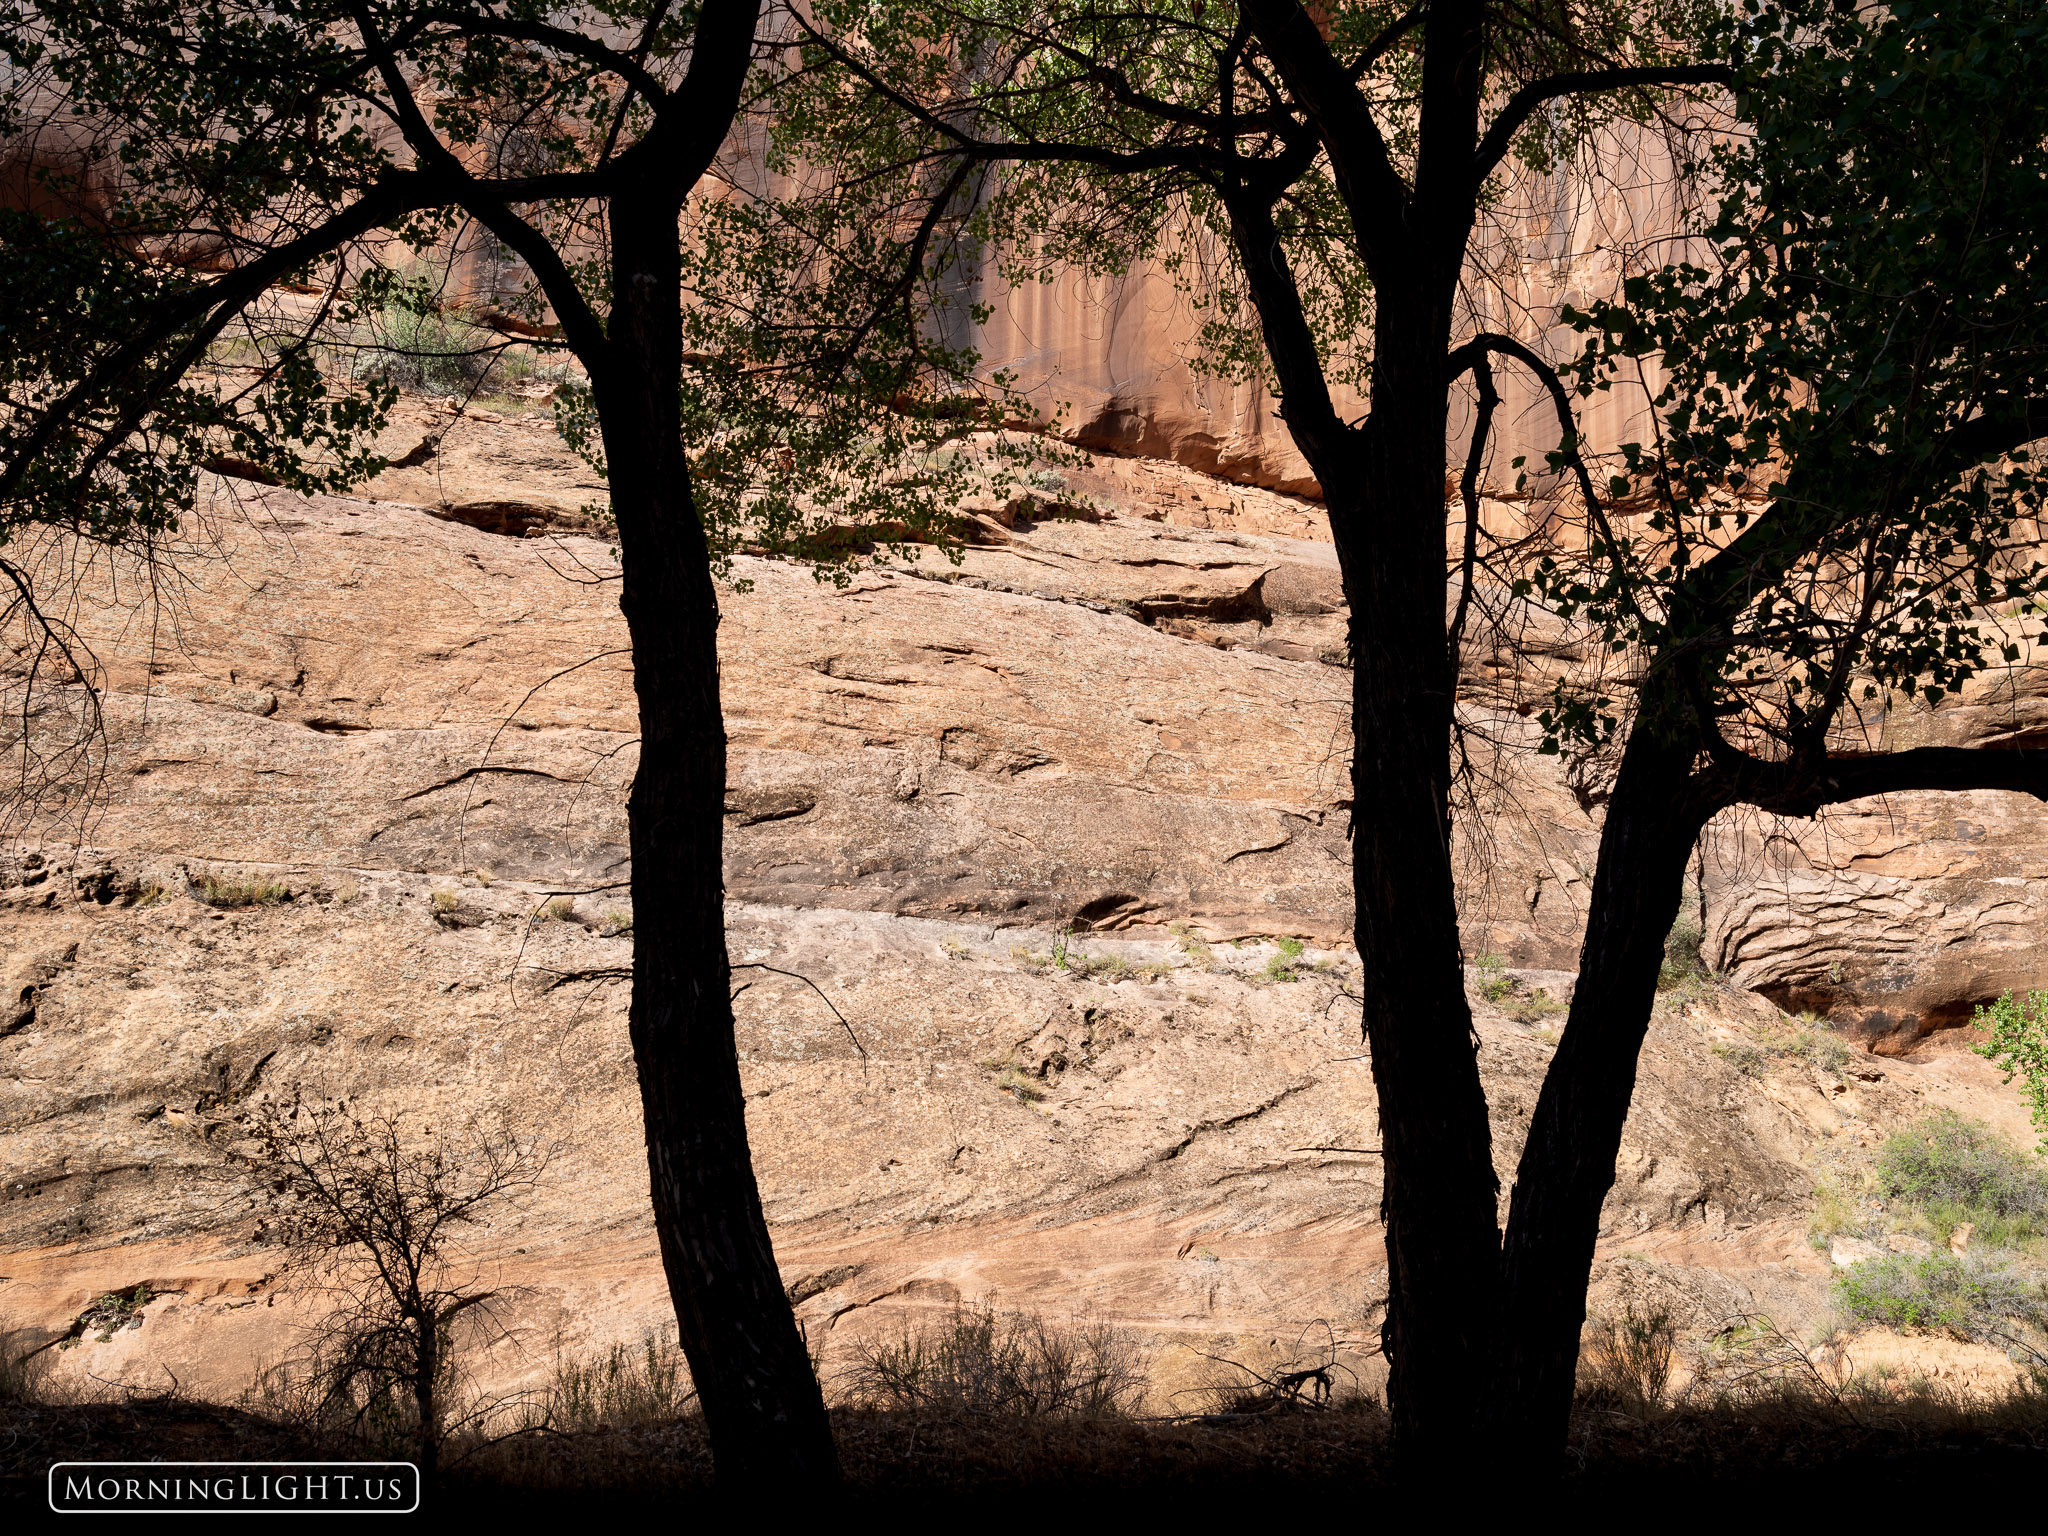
{"points": [[760, 1397], [1653, 820], [1440, 1203]]}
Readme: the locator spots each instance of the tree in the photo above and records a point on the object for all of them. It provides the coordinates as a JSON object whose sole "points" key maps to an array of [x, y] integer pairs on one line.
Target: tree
{"points": [[372, 1216], [1337, 162], [1839, 512], [758, 376]]}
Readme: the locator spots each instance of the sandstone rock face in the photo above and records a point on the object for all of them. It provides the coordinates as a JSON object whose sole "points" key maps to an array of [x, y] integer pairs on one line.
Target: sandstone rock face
{"points": [[1126, 708], [1897, 917]]}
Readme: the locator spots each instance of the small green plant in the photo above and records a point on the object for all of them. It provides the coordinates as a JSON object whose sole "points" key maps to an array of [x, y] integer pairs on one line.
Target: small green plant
{"points": [[615, 922], [559, 910], [1492, 978], [1284, 965], [152, 894], [248, 891], [110, 1313], [1060, 946], [954, 949], [445, 901], [1191, 944], [2019, 1045]]}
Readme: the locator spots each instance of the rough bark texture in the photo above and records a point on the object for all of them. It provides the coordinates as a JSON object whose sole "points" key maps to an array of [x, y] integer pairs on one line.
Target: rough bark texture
{"points": [[1439, 1207], [1568, 1163], [761, 1401]]}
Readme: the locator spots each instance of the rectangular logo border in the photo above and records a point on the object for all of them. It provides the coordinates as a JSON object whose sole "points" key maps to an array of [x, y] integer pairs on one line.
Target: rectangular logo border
{"points": [[50, 1488]]}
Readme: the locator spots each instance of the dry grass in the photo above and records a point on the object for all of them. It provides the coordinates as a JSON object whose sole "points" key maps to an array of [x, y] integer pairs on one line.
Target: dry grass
{"points": [[240, 891], [1772, 1419], [979, 1361]]}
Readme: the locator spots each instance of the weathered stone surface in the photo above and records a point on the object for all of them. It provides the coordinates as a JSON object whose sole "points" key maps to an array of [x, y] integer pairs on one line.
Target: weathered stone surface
{"points": [[1122, 723]]}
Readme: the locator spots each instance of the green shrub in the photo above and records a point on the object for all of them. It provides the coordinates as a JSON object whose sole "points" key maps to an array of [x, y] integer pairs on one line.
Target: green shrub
{"points": [[428, 351], [1957, 1170], [2019, 1044], [1940, 1292]]}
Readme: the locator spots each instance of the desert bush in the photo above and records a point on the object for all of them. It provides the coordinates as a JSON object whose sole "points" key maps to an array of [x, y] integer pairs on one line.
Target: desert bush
{"points": [[1625, 1361], [1306, 1378], [621, 1388], [372, 1217], [1965, 1297], [24, 1372], [982, 1361], [1955, 1170], [240, 891], [428, 351]]}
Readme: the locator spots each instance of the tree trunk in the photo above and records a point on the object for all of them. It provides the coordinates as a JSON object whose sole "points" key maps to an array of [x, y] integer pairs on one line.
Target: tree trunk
{"points": [[759, 1394], [1653, 819], [1441, 1196]]}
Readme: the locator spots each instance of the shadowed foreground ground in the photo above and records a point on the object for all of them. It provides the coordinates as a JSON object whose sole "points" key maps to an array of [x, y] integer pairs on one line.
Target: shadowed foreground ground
{"points": [[1792, 1445]]}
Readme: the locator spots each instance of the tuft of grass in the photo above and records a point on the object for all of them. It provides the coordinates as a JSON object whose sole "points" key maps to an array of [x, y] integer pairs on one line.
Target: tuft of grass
{"points": [[1809, 1040], [1625, 1364], [955, 949], [1012, 1079], [1746, 1057], [24, 1373], [616, 921], [445, 901], [560, 910], [432, 351], [152, 894], [981, 1362], [1191, 943], [240, 891], [622, 1388]]}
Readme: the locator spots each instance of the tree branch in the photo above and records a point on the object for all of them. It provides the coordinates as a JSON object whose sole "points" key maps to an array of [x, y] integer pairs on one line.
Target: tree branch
{"points": [[1790, 790], [483, 24], [1580, 82]]}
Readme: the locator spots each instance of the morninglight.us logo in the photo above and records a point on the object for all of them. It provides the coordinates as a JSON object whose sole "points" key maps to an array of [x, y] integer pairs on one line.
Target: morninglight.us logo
{"points": [[235, 1487]]}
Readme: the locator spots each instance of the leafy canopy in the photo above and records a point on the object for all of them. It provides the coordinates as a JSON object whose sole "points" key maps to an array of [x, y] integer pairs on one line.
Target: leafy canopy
{"points": [[359, 152], [1844, 377]]}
